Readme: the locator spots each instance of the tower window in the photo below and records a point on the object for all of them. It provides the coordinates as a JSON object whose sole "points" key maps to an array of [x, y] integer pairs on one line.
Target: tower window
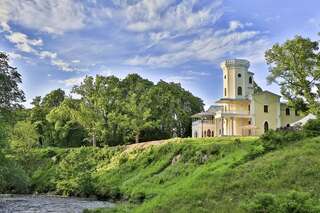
{"points": [[239, 75], [225, 76], [266, 108], [266, 126], [250, 80], [287, 111], [225, 91], [249, 107], [239, 90]]}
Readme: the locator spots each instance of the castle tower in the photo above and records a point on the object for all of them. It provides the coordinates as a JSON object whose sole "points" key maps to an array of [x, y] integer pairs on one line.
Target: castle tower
{"points": [[237, 80]]}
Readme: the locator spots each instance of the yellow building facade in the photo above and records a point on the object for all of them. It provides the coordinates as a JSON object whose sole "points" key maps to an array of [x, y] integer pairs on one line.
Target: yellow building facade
{"points": [[241, 112]]}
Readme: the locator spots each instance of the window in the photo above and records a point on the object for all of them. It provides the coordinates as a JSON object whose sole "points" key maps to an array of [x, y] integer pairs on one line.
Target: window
{"points": [[225, 91], [249, 107], [266, 126], [297, 113], [239, 90], [249, 122], [266, 108], [225, 76], [239, 75], [287, 111], [208, 133], [250, 80]]}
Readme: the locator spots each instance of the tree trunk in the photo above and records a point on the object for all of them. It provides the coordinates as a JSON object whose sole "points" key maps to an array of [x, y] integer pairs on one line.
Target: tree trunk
{"points": [[94, 142], [137, 137]]}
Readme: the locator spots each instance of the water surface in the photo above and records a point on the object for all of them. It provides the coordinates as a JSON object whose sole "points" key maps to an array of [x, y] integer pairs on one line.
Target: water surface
{"points": [[44, 204]]}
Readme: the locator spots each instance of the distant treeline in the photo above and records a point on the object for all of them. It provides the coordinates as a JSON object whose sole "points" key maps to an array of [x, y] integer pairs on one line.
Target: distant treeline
{"points": [[106, 111]]}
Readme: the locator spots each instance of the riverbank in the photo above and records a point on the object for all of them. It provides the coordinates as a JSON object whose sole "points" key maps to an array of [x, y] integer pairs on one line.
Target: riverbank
{"points": [[180, 175]]}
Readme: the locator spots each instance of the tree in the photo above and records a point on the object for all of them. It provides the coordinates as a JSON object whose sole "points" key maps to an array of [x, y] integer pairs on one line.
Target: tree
{"points": [[295, 67], [139, 114], [99, 97], [10, 94], [53, 99], [24, 135], [67, 131]]}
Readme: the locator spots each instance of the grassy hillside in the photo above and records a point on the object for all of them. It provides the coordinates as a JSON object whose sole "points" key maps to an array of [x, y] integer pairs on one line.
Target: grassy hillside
{"points": [[184, 175]]}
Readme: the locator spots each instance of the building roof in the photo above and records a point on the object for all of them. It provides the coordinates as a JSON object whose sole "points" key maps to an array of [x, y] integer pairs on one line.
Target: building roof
{"points": [[304, 120], [203, 114], [268, 92]]}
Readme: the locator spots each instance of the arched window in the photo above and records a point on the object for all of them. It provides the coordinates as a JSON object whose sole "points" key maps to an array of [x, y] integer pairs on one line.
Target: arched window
{"points": [[250, 80], [208, 133], [225, 76], [287, 111], [239, 75], [225, 91], [239, 90], [266, 126]]}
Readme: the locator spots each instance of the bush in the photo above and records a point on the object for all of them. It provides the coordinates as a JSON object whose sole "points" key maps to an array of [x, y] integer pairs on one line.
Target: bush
{"points": [[261, 203], [293, 201], [137, 197], [312, 128], [274, 139], [255, 152]]}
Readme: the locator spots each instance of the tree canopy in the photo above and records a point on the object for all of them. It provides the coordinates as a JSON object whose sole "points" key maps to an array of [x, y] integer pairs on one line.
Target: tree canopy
{"points": [[295, 67], [10, 93]]}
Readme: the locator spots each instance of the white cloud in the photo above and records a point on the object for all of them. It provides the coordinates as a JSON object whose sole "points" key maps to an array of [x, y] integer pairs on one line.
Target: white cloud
{"points": [[208, 47], [72, 81], [23, 43], [62, 65], [234, 25], [44, 15], [47, 54], [149, 15]]}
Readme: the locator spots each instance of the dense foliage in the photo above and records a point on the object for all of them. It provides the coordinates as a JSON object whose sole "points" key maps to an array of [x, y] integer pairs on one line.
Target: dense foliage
{"points": [[295, 66]]}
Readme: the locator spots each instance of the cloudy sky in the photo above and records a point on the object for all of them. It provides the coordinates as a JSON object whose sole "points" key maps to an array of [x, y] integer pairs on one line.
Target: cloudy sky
{"points": [[56, 43]]}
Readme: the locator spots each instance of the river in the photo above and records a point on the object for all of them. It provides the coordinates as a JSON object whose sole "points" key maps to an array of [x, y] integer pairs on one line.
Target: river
{"points": [[44, 204]]}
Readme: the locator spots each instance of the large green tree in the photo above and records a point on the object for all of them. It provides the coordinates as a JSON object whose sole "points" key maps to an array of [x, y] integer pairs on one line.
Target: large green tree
{"points": [[99, 97], [295, 67], [10, 94]]}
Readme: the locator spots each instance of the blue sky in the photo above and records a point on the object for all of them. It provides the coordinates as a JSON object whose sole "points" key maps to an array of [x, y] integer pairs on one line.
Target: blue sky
{"points": [[55, 44]]}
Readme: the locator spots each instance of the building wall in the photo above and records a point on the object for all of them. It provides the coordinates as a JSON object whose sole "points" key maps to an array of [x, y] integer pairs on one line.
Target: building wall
{"points": [[200, 128], [231, 80], [288, 119], [260, 117]]}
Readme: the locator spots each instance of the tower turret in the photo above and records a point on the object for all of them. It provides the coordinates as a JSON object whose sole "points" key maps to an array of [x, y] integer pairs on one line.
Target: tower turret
{"points": [[237, 80]]}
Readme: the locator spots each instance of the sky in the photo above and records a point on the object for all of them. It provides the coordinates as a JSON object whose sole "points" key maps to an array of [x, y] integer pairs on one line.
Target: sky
{"points": [[55, 44]]}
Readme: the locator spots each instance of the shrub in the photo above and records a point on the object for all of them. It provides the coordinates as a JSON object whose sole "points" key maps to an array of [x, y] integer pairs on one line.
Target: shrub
{"points": [[137, 197], [298, 202], [312, 128], [274, 139], [261, 203], [255, 152]]}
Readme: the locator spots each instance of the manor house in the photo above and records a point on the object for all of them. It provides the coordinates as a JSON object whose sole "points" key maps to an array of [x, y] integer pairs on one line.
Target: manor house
{"points": [[241, 111]]}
